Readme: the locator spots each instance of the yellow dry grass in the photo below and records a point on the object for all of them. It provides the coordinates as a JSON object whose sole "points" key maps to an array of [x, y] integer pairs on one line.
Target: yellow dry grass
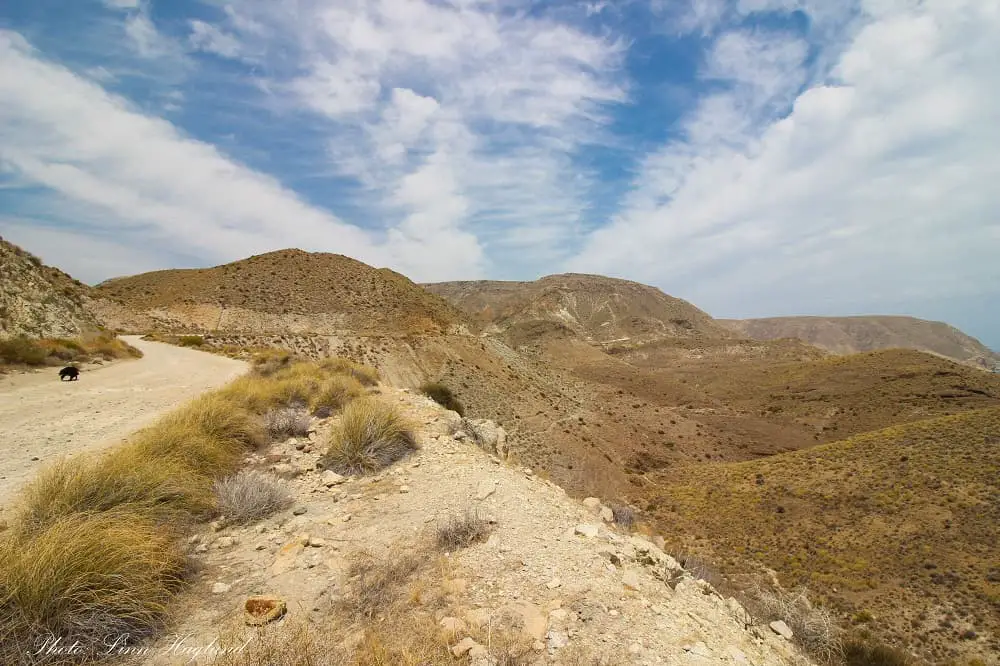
{"points": [[371, 435], [85, 577]]}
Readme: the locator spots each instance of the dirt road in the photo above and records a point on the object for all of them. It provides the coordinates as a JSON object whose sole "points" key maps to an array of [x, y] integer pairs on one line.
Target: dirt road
{"points": [[42, 418]]}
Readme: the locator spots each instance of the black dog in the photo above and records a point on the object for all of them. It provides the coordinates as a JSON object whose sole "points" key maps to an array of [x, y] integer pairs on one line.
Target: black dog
{"points": [[69, 371]]}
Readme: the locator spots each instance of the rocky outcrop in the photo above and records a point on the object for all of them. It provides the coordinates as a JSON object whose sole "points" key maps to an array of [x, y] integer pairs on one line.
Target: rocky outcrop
{"points": [[37, 300]]}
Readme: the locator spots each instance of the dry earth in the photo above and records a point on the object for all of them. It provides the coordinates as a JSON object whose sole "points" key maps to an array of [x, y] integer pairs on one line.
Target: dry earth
{"points": [[552, 568], [43, 418]]}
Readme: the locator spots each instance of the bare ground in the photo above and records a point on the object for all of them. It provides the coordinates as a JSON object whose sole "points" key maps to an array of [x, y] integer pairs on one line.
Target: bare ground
{"points": [[42, 418]]}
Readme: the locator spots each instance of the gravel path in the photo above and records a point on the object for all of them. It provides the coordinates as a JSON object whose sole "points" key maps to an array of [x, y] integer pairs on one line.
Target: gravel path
{"points": [[42, 418]]}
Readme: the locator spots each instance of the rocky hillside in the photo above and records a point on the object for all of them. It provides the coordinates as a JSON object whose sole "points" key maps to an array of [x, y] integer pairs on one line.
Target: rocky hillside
{"points": [[848, 335], [37, 300], [548, 579], [288, 291], [597, 309]]}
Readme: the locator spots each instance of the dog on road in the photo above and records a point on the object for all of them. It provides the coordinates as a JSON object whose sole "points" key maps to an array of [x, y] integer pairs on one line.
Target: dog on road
{"points": [[69, 372]]}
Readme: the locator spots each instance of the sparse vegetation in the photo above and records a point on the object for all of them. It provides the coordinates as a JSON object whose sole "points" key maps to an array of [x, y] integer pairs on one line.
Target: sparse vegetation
{"points": [[249, 496], [32, 352], [443, 396], [371, 435], [814, 628], [287, 422], [864, 653], [191, 341], [462, 531], [623, 515], [377, 584], [94, 548]]}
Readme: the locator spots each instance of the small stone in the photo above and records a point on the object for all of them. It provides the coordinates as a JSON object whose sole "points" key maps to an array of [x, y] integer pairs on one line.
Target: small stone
{"points": [[635, 648], [299, 510], [699, 649], [217, 525], [316, 543], [299, 446], [607, 515], [556, 640], [346, 518], [193, 539], [331, 478], [485, 489], [225, 542], [586, 530], [631, 580], [558, 615], [553, 584], [779, 627], [464, 646], [221, 588], [201, 548], [285, 471], [593, 504], [538, 646], [259, 546], [404, 489]]}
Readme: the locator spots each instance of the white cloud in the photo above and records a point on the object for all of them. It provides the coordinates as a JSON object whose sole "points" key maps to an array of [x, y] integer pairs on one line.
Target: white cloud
{"points": [[879, 184], [206, 37], [67, 134], [121, 4], [478, 108]]}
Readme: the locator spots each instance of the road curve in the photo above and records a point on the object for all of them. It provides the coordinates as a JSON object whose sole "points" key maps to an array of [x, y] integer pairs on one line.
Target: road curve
{"points": [[42, 418]]}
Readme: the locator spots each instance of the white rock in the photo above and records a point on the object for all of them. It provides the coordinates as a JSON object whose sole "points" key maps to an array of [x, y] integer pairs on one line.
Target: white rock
{"points": [[553, 584], [593, 504], [224, 542], [464, 646], [607, 515], [631, 579], [779, 627], [485, 489], [331, 478], [587, 530], [556, 640], [221, 588]]}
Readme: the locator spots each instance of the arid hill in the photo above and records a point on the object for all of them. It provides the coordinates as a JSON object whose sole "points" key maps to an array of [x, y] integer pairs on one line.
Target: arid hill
{"points": [[37, 300], [897, 529], [288, 291], [598, 309], [848, 335]]}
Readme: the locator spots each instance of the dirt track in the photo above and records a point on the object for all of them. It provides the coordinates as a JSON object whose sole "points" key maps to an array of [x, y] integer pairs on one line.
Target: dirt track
{"points": [[42, 418]]}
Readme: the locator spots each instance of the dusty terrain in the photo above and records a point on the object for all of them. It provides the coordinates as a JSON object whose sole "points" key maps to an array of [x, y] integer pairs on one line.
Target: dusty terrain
{"points": [[43, 418], [848, 335], [579, 590]]}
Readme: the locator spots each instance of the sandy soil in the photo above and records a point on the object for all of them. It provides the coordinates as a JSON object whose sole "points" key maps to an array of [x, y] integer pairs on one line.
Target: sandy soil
{"points": [[42, 418]]}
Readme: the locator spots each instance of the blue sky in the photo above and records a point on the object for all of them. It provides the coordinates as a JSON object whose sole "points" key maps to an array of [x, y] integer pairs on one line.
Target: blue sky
{"points": [[756, 157]]}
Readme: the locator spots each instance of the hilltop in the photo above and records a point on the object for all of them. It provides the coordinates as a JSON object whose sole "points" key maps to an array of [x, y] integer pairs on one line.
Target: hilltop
{"points": [[598, 309], [39, 301], [848, 335], [288, 291], [897, 528]]}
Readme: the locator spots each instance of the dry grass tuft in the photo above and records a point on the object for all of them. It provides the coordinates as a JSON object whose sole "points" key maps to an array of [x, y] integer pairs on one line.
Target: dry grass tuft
{"points": [[162, 489], [366, 375], [371, 435], [861, 653], [623, 515], [85, 577], [462, 531], [249, 496], [377, 585], [443, 396], [33, 352], [334, 394], [267, 362], [218, 419], [289, 643], [287, 422]]}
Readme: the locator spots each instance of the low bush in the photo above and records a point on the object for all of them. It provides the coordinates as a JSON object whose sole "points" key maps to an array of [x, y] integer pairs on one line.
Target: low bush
{"points": [[443, 396], [371, 435], [268, 362], [334, 394], [623, 515], [462, 531], [375, 585], [814, 628], [863, 653], [190, 341], [250, 496], [38, 352], [85, 577], [218, 419], [22, 350], [287, 422]]}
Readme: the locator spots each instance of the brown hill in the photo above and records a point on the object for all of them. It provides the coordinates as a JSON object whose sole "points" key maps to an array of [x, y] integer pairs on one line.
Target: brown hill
{"points": [[288, 291], [898, 529], [596, 308], [37, 300], [848, 335]]}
